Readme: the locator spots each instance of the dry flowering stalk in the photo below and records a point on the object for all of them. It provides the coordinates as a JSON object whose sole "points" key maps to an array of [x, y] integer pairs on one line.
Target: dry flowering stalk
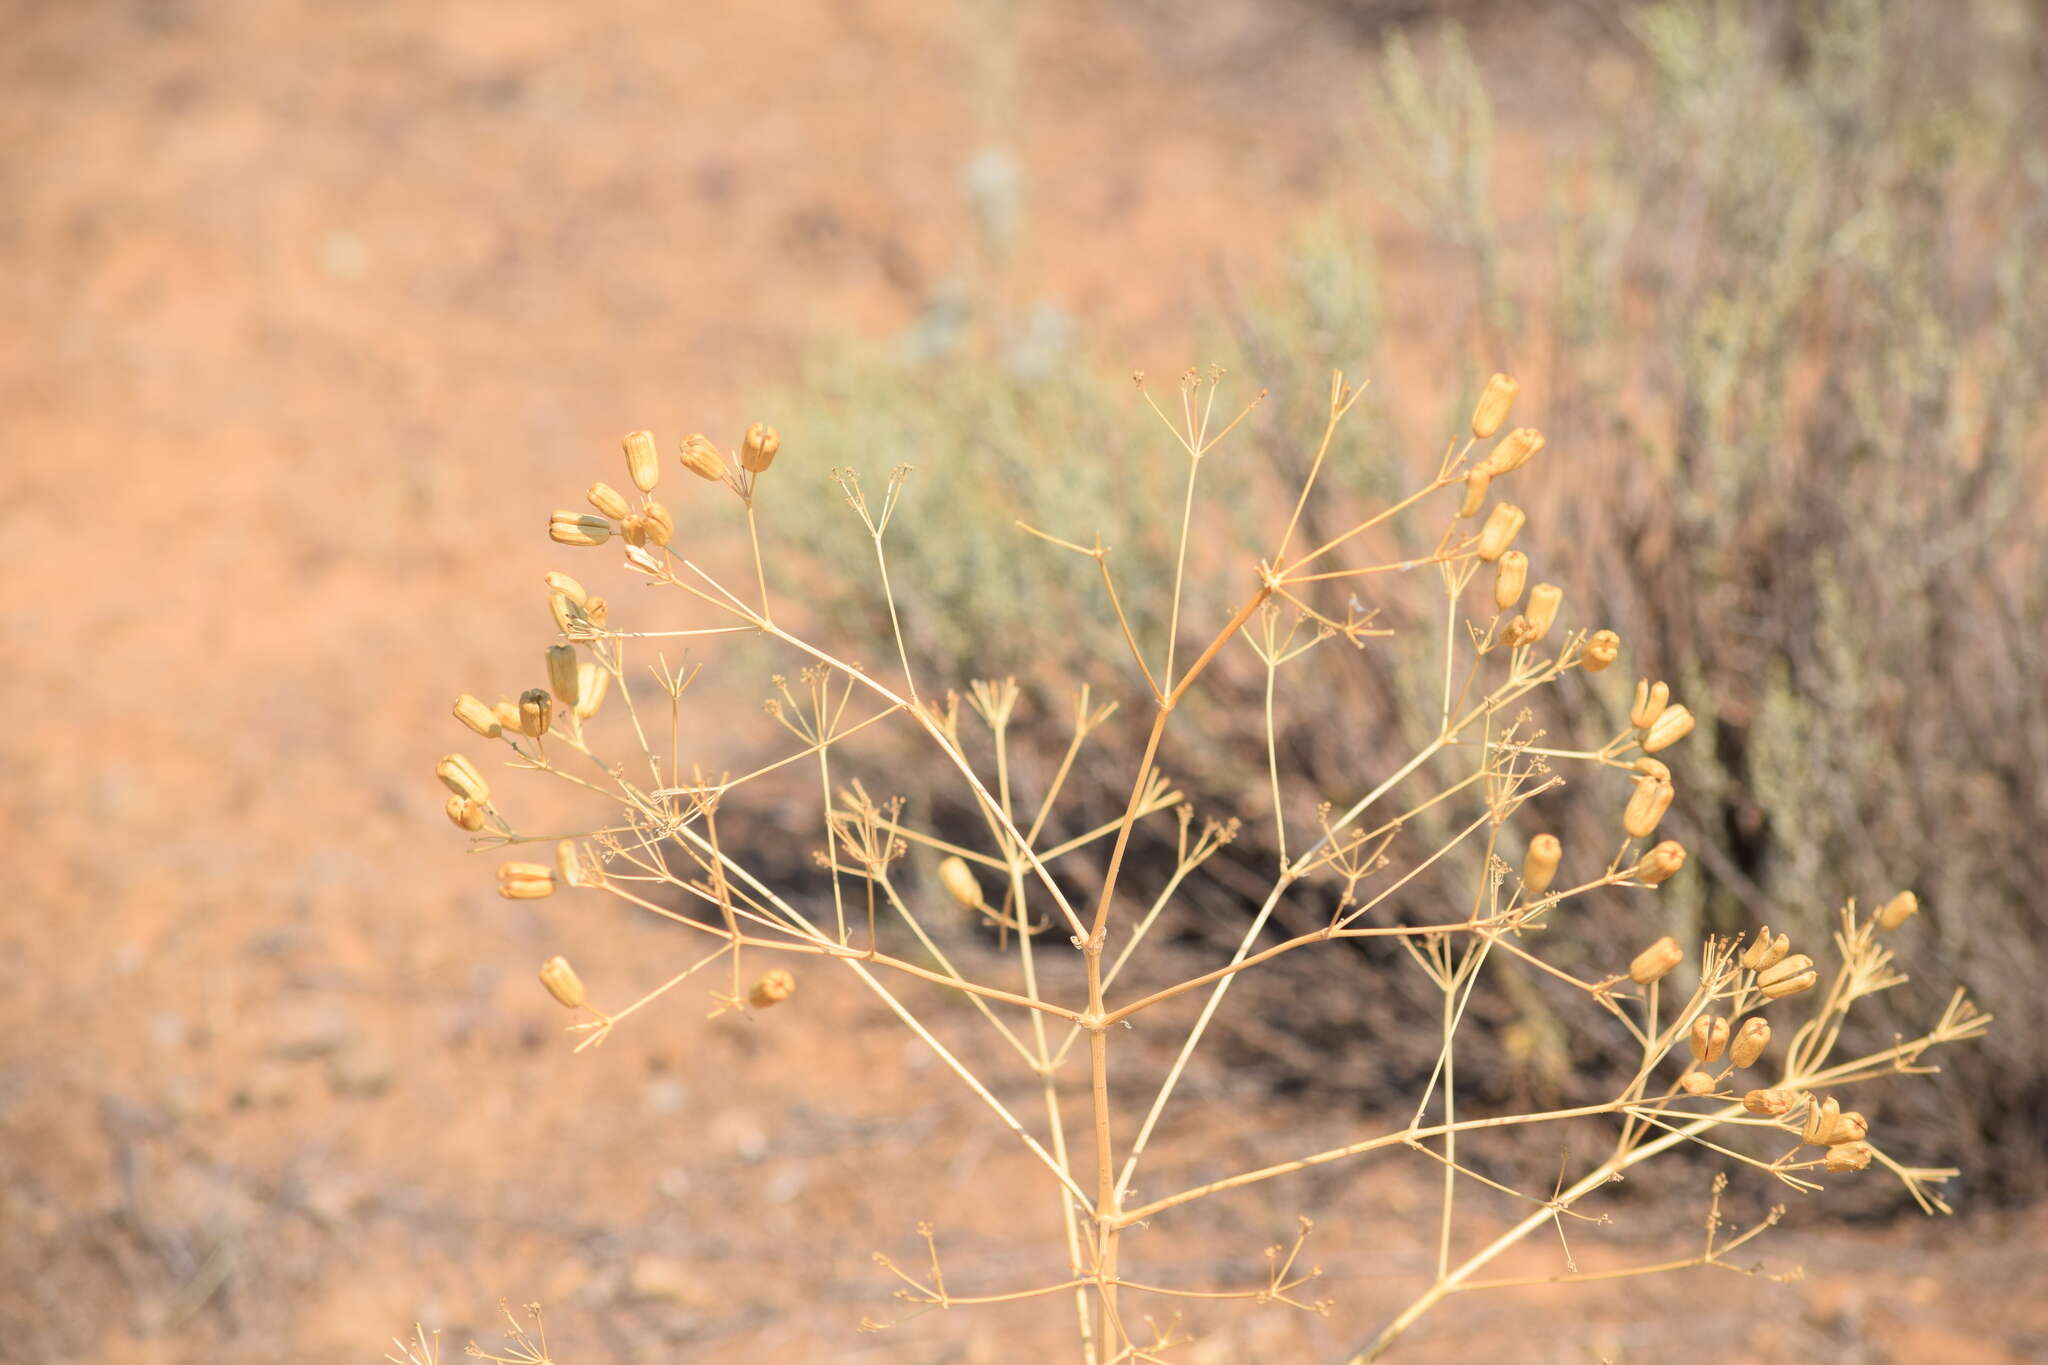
{"points": [[1065, 925]]}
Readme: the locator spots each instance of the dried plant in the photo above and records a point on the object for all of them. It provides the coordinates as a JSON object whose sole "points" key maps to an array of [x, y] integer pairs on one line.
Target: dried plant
{"points": [[1735, 1039]]}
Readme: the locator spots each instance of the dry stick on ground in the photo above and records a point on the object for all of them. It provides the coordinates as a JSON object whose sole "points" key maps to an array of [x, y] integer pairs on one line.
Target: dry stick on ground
{"points": [[659, 849]]}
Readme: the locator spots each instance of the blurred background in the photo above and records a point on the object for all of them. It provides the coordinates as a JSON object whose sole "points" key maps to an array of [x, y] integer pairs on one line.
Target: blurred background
{"points": [[314, 311]]}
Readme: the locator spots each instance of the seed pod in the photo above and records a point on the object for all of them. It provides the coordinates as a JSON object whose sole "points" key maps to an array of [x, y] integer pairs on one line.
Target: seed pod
{"points": [[1709, 1038], [1492, 409], [661, 527], [1661, 863], [958, 879], [1655, 961], [1853, 1156], [596, 609], [566, 586], [1750, 1041], [1784, 970], [1651, 699], [1476, 484], [1508, 576], [570, 619], [757, 451], [472, 712], [609, 501], [536, 712], [1696, 1083], [1820, 1118], [1646, 806], [772, 989], [1770, 1103], [466, 813], [591, 682], [525, 881], [1516, 449], [633, 530], [578, 528], [1603, 647], [1653, 767], [460, 776], [569, 865], [1898, 910], [562, 673], [1518, 633], [1540, 865], [701, 457], [507, 713], [1503, 523], [1544, 599], [1766, 952], [643, 460], [562, 982], [1791, 985], [1847, 1127], [1673, 723]]}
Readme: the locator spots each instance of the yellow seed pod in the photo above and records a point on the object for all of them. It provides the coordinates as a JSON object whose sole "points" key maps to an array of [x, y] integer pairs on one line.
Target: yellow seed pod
{"points": [[1709, 1038], [1603, 647], [1853, 1156], [1492, 409], [596, 609], [633, 530], [507, 713], [1696, 1083], [525, 881], [1653, 767], [1750, 1041], [1898, 910], [643, 460], [1476, 484], [465, 813], [578, 528], [1539, 867], [472, 712], [570, 866], [958, 879], [1791, 985], [757, 450], [609, 501], [701, 457], [1655, 961], [1766, 952], [1502, 525], [1661, 863], [1516, 449], [1784, 970], [562, 982], [1848, 1126], [1673, 723], [566, 586], [661, 526], [1544, 600], [772, 989], [591, 682], [1519, 632], [562, 673], [536, 712], [460, 776], [1770, 1103], [1508, 576], [1651, 699], [1820, 1118], [1646, 806], [570, 618]]}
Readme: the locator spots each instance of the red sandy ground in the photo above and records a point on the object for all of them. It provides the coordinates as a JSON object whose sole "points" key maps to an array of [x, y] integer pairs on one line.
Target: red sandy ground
{"points": [[311, 310]]}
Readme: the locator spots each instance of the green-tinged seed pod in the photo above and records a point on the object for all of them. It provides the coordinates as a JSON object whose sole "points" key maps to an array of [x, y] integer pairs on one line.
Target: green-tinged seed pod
{"points": [[567, 586], [1508, 576], [643, 460], [1784, 970], [460, 776], [1661, 863], [465, 813], [1673, 723], [591, 682], [1603, 647], [578, 528], [562, 982], [1502, 525], [1770, 1103], [1492, 409], [536, 712], [661, 526], [1898, 910], [1476, 484], [1516, 449], [1646, 807], [701, 457], [1544, 600], [609, 501], [1539, 867], [1791, 985], [1656, 961], [958, 879], [1820, 1119], [1765, 952], [562, 675], [1651, 699], [1750, 1041], [772, 989], [1852, 1156], [525, 881], [757, 450], [1709, 1038], [472, 712]]}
